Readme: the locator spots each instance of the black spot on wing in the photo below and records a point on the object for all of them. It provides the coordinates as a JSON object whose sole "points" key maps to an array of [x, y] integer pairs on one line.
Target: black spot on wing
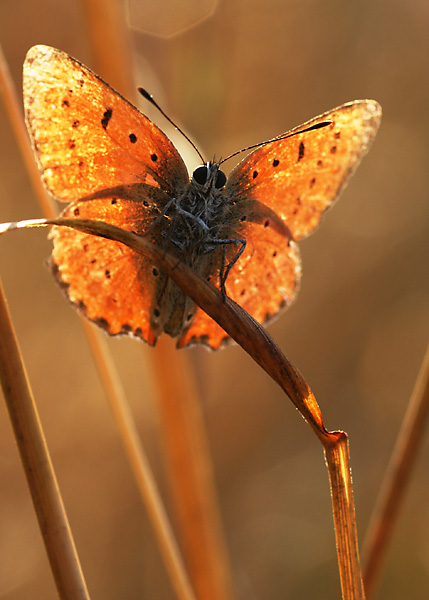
{"points": [[101, 322], [133, 138], [106, 118], [297, 205], [301, 151]]}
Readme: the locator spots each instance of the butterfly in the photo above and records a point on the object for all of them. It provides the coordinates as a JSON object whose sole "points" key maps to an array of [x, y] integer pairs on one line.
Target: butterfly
{"points": [[97, 152]]}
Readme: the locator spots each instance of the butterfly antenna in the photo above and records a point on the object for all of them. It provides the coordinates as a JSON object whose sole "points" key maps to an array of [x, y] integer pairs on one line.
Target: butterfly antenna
{"points": [[277, 139], [149, 97]]}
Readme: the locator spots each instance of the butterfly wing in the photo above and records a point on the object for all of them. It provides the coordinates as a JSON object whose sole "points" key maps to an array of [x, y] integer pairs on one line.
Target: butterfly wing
{"points": [[300, 176], [97, 150], [279, 193], [86, 137], [263, 281], [109, 283]]}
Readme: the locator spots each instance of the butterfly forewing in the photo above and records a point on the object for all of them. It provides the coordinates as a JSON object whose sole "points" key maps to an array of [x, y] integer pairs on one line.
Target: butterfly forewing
{"points": [[301, 175], [86, 137]]}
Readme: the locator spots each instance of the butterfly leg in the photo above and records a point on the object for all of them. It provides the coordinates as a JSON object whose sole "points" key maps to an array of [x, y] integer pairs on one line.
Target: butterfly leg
{"points": [[164, 211], [191, 217], [224, 270], [181, 211]]}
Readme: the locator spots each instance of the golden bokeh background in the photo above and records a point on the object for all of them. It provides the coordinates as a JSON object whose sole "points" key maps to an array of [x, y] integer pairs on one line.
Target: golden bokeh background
{"points": [[358, 331]]}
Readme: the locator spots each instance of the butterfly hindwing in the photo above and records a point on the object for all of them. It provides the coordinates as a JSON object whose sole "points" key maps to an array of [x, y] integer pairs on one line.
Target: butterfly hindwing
{"points": [[264, 280], [109, 283]]}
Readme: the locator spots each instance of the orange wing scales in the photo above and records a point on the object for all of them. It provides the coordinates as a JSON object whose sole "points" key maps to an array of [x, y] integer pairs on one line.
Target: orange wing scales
{"points": [[300, 176], [87, 137]]}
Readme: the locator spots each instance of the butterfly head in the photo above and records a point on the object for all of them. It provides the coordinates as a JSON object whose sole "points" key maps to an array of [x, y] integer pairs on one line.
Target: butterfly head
{"points": [[209, 176]]}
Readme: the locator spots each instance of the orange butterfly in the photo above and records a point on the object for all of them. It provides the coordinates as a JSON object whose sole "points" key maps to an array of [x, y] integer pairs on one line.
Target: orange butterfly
{"points": [[97, 151]]}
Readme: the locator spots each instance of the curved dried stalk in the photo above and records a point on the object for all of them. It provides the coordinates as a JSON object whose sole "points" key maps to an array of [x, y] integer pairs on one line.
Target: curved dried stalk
{"points": [[259, 345]]}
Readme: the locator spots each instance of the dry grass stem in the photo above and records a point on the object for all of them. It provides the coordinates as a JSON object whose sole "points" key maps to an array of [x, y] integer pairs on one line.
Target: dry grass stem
{"points": [[181, 425], [37, 464], [141, 469], [343, 508], [396, 481], [105, 19], [14, 112], [191, 475]]}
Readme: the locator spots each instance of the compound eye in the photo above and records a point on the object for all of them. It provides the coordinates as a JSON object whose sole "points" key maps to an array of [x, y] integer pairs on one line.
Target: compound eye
{"points": [[220, 180], [200, 174]]}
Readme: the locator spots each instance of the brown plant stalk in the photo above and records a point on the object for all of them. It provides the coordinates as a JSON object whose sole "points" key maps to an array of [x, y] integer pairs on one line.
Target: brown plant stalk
{"points": [[395, 484], [37, 465], [181, 425]]}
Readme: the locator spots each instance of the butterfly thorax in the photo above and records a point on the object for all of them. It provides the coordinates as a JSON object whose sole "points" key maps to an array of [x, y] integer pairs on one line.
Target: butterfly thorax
{"points": [[198, 214]]}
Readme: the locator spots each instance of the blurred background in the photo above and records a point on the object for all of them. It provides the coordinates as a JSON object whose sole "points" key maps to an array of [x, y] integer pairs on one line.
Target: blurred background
{"points": [[232, 74]]}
